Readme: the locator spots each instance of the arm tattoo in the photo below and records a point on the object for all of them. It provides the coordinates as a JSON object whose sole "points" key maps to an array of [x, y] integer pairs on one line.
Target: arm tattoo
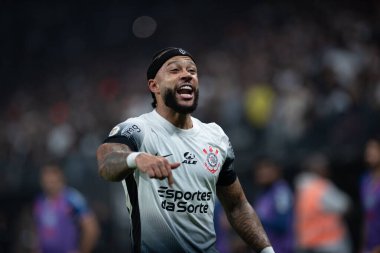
{"points": [[112, 162], [242, 216]]}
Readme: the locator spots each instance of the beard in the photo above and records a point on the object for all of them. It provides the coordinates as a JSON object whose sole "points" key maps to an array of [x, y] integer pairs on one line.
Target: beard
{"points": [[171, 101]]}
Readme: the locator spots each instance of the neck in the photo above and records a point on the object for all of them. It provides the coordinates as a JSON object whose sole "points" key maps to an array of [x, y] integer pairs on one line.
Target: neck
{"points": [[179, 120], [53, 196]]}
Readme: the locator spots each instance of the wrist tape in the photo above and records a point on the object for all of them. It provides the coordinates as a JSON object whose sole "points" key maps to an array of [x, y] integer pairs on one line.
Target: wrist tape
{"points": [[131, 159], [267, 250]]}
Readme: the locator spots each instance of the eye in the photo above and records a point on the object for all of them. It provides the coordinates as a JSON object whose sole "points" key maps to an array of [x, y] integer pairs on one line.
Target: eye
{"points": [[192, 70], [174, 70]]}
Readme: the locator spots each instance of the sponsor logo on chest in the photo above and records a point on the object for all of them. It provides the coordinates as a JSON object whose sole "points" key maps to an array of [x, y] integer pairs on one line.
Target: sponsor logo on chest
{"points": [[189, 158], [184, 201]]}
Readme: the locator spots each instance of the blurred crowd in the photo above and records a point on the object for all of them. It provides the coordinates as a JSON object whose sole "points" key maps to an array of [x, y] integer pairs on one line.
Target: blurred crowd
{"points": [[283, 79]]}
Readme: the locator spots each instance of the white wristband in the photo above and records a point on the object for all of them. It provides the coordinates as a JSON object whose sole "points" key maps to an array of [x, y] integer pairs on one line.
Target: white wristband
{"points": [[267, 250], [131, 159]]}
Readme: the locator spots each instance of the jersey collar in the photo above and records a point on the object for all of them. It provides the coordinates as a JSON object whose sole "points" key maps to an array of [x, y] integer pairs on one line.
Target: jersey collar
{"points": [[171, 128]]}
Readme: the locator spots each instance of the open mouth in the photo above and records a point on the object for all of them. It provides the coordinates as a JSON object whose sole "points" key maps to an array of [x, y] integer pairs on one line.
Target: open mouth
{"points": [[185, 91]]}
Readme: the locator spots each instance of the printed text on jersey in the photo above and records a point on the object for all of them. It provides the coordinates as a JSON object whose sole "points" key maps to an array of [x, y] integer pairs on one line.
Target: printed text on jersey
{"points": [[179, 201]]}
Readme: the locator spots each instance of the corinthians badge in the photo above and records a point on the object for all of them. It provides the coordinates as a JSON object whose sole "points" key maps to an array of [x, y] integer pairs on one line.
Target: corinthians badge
{"points": [[212, 162]]}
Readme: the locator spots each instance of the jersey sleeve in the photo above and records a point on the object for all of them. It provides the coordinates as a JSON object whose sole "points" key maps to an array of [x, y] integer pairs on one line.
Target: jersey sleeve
{"points": [[129, 132], [228, 175]]}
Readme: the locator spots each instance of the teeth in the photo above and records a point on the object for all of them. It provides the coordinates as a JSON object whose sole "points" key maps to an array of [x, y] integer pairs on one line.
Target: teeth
{"points": [[186, 87]]}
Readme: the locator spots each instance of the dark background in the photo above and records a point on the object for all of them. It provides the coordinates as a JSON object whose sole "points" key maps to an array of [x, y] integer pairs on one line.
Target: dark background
{"points": [[283, 78]]}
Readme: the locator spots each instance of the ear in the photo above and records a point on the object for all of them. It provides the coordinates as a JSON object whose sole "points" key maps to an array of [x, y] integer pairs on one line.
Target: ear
{"points": [[153, 86]]}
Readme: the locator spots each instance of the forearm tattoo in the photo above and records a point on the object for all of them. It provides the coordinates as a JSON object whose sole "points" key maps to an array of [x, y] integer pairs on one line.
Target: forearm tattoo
{"points": [[242, 216], [247, 224], [112, 161]]}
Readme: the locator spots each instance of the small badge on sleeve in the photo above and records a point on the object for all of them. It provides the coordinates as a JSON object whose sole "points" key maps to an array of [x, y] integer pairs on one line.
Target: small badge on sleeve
{"points": [[114, 131]]}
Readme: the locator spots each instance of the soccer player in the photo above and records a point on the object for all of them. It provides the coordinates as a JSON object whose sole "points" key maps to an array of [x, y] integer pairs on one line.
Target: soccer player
{"points": [[64, 222], [370, 197], [173, 167]]}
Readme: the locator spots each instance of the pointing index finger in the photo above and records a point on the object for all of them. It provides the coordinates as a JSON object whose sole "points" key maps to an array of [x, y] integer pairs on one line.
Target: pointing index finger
{"points": [[174, 165], [170, 174]]}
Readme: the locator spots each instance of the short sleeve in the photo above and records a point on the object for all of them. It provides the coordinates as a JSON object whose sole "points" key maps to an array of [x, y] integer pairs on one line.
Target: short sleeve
{"points": [[129, 132], [283, 198], [228, 175], [78, 203]]}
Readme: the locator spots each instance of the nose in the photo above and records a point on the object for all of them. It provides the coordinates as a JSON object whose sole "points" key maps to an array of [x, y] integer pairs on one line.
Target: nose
{"points": [[186, 76]]}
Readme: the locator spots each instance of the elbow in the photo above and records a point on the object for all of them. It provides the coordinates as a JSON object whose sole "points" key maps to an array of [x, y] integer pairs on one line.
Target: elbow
{"points": [[111, 164], [104, 173], [103, 170], [100, 157], [107, 171]]}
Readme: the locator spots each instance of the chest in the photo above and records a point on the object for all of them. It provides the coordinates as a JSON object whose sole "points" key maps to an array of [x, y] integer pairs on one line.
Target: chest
{"points": [[53, 213], [371, 196], [201, 157]]}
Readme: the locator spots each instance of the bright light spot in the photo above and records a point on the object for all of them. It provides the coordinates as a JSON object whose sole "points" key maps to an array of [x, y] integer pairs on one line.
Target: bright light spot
{"points": [[144, 27]]}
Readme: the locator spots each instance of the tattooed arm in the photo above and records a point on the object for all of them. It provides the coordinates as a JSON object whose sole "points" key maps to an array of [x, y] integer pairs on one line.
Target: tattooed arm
{"points": [[112, 163], [242, 216]]}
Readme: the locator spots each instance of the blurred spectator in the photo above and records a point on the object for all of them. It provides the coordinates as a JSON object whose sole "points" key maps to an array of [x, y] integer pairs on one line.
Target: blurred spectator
{"points": [[63, 221], [273, 203], [227, 240], [370, 197], [258, 104], [222, 229], [319, 210]]}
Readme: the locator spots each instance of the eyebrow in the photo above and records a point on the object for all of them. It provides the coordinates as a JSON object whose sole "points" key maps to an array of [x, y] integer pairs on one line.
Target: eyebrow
{"points": [[178, 61]]}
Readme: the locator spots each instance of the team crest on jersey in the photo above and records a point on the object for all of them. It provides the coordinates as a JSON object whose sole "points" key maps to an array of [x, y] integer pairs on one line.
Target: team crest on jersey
{"points": [[212, 162]]}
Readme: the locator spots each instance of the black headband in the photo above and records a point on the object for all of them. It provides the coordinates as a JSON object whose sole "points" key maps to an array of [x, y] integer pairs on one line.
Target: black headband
{"points": [[161, 57]]}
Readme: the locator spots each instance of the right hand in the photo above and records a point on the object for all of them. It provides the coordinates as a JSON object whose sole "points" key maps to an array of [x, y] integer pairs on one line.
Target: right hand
{"points": [[156, 166]]}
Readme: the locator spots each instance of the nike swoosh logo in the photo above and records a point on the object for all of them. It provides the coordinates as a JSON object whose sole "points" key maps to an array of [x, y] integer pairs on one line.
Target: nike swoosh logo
{"points": [[163, 155]]}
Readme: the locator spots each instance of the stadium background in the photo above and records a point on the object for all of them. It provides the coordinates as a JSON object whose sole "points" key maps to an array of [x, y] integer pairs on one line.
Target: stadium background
{"points": [[283, 78]]}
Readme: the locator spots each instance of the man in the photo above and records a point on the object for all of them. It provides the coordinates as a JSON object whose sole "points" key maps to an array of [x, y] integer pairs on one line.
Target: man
{"points": [[273, 202], [176, 215], [63, 221], [370, 197]]}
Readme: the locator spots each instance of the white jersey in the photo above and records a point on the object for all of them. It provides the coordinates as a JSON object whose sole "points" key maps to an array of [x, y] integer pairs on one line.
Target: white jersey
{"points": [[177, 218]]}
